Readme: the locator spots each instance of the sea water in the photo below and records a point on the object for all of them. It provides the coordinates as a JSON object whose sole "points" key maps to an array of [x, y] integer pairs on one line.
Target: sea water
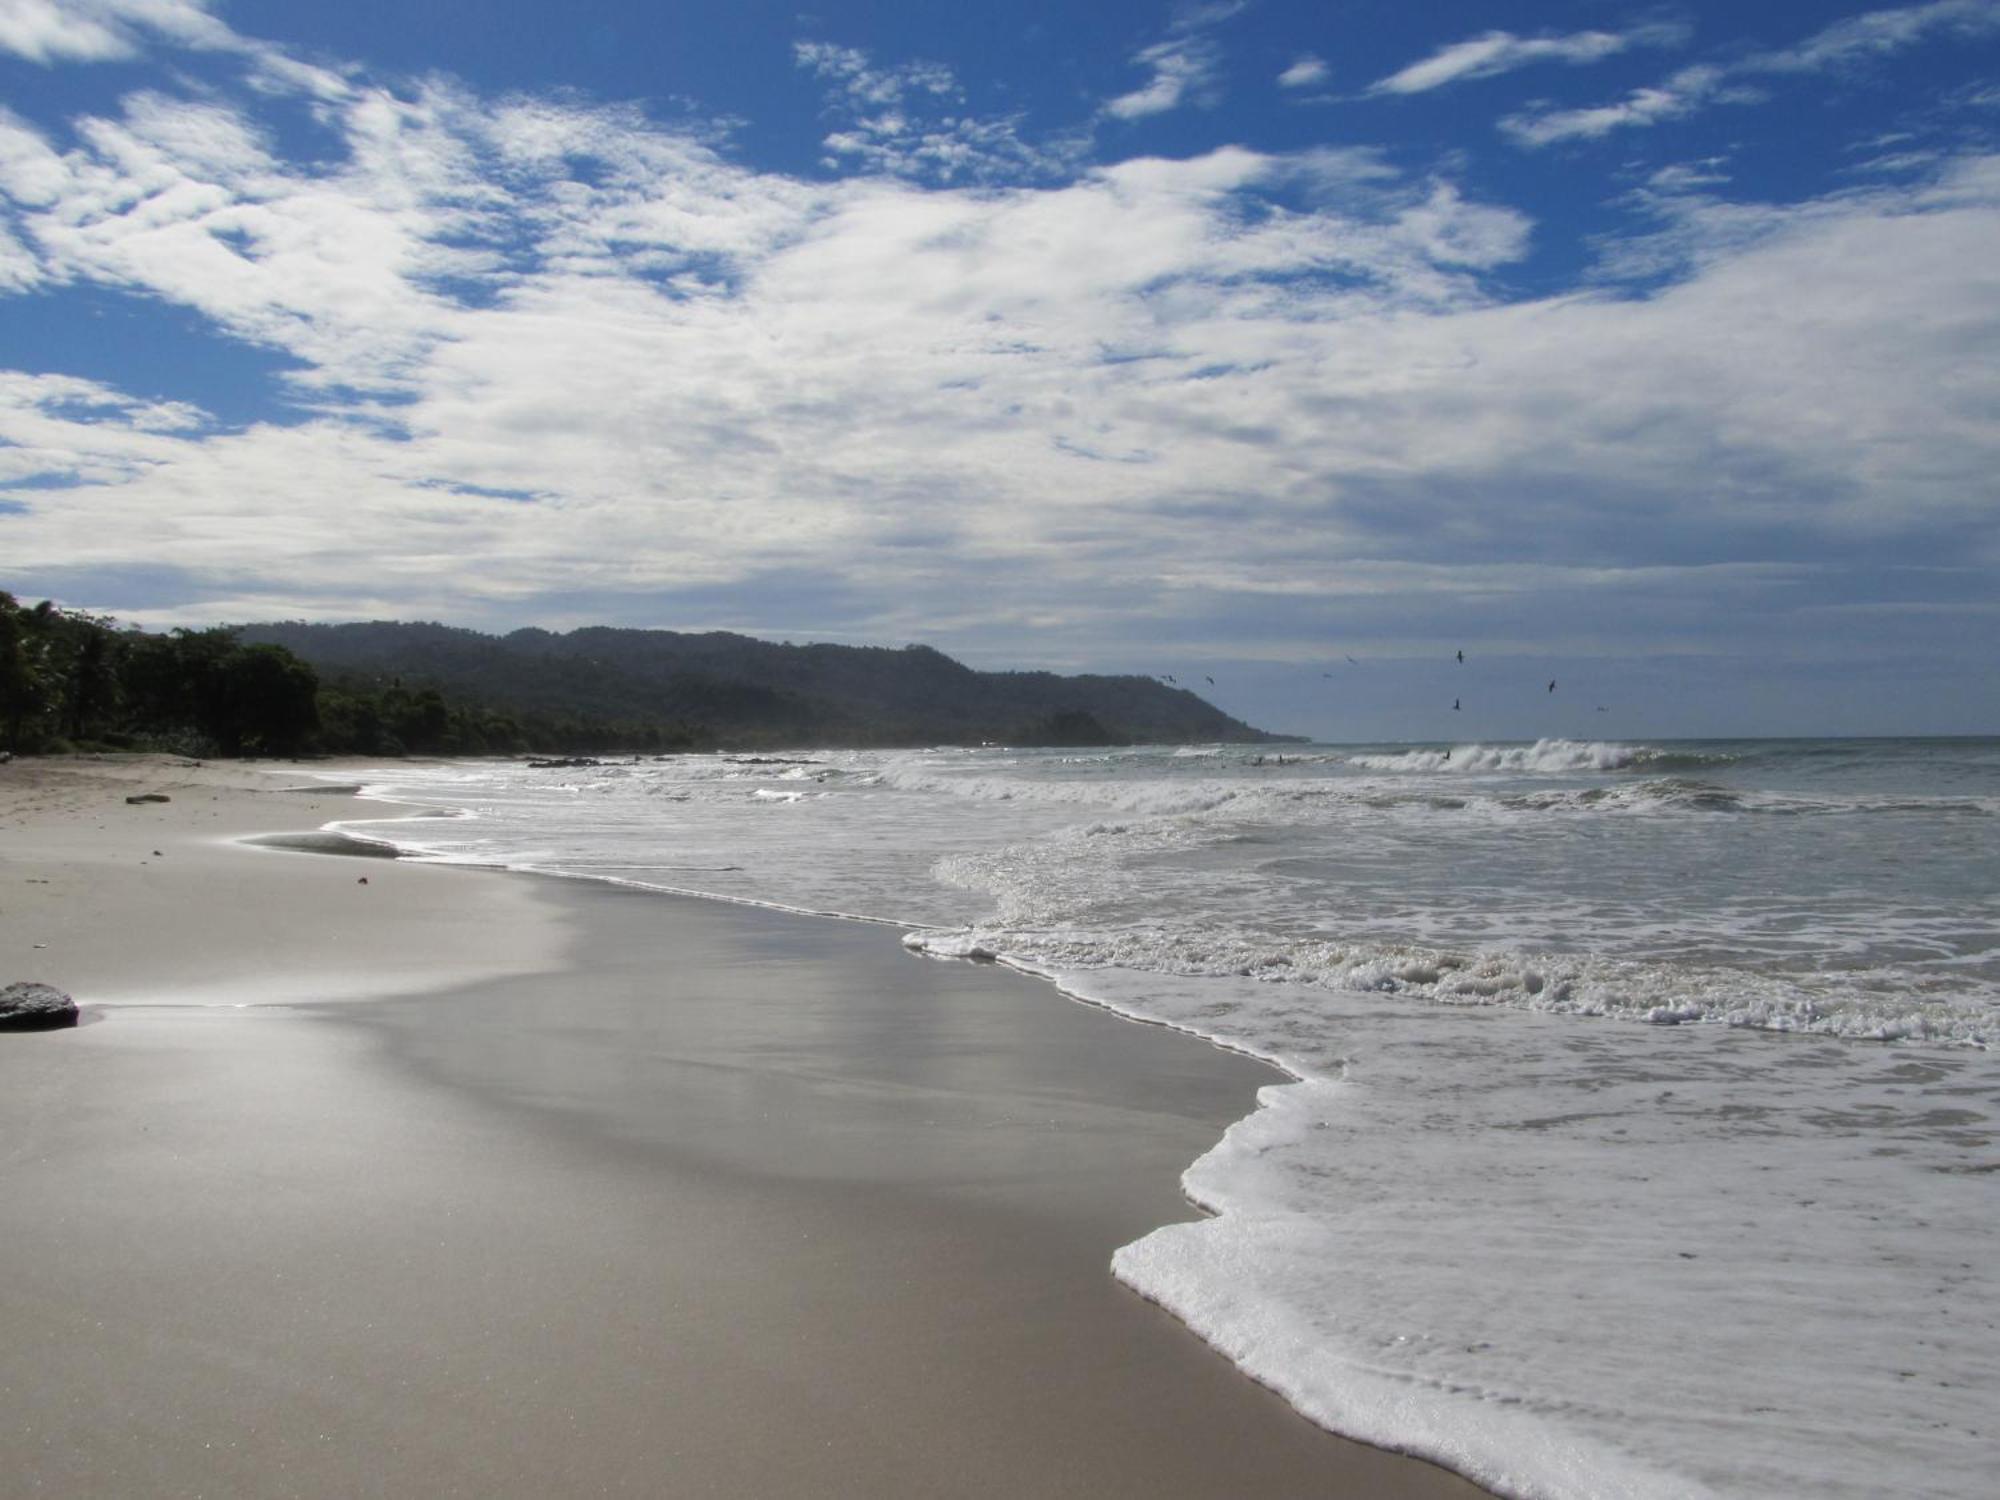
{"points": [[1642, 1132]]}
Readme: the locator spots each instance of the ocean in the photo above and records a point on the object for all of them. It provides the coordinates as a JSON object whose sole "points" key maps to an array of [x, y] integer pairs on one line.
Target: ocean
{"points": [[1641, 1137]]}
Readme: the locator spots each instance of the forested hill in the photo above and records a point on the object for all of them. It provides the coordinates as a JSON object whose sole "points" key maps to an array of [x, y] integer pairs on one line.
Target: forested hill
{"points": [[745, 691]]}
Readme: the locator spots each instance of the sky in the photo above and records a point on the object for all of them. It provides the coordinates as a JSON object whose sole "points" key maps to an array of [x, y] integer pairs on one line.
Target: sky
{"points": [[1648, 349]]}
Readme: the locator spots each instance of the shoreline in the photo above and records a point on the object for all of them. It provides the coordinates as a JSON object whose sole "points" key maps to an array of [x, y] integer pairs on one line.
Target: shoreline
{"points": [[840, 1223]]}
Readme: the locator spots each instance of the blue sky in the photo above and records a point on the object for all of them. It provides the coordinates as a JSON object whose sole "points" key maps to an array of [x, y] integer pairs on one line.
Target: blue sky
{"points": [[1650, 348]]}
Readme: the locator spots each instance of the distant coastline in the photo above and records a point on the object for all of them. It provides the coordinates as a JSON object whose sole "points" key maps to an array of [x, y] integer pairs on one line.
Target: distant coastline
{"points": [[70, 680]]}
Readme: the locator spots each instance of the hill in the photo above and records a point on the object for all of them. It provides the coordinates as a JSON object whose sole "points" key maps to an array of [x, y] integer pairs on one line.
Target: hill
{"points": [[745, 691]]}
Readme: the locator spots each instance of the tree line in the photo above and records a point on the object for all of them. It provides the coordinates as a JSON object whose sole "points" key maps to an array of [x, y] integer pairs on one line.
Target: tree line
{"points": [[76, 681]]}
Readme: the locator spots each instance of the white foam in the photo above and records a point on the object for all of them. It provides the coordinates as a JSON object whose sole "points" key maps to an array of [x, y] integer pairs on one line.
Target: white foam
{"points": [[1543, 756], [1548, 984], [1571, 1264]]}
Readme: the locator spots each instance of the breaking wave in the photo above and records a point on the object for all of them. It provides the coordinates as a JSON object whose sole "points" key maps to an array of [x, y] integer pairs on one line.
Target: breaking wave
{"points": [[1544, 757], [1549, 983]]}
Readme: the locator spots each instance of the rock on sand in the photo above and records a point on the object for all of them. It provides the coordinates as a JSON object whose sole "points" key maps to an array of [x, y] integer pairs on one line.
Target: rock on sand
{"points": [[35, 1007]]}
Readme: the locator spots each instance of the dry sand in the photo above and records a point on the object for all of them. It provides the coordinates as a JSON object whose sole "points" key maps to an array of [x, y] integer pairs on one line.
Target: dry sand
{"points": [[625, 1195]]}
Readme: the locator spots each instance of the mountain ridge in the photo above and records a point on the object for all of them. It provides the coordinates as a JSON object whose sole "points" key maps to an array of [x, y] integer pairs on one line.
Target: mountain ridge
{"points": [[745, 690]]}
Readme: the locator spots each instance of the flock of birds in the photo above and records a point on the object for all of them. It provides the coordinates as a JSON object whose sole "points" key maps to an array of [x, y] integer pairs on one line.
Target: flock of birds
{"points": [[1171, 680]]}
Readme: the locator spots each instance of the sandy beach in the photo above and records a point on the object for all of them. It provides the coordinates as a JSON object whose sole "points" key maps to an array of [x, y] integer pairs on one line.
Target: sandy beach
{"points": [[367, 1177]]}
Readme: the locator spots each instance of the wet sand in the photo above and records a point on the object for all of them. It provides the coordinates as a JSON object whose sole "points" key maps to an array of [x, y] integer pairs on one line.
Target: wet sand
{"points": [[641, 1196]]}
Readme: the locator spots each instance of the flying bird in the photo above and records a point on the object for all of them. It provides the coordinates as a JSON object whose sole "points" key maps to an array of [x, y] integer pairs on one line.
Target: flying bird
{"points": [[1352, 662], [1552, 684], [1454, 705], [1209, 680], [1461, 658]]}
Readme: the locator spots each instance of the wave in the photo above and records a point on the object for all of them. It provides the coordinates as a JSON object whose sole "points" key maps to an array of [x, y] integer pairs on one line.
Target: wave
{"points": [[1977, 807], [1542, 756], [1666, 794], [1162, 796], [1659, 994], [1248, 799], [1684, 760]]}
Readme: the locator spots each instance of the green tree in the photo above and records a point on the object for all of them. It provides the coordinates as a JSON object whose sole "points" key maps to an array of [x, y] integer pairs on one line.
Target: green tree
{"points": [[264, 701], [92, 701], [23, 682]]}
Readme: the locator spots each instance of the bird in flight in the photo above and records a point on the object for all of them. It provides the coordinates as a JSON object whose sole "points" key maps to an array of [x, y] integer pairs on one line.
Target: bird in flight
{"points": [[1209, 680], [1461, 658], [1454, 705], [1552, 684]]}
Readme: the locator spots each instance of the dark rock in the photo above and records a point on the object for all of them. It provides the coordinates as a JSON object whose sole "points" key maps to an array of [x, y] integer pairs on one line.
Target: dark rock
{"points": [[150, 797], [35, 1007]]}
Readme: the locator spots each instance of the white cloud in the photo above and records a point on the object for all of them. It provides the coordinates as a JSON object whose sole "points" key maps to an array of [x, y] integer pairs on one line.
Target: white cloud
{"points": [[184, 201], [1497, 52], [1305, 72], [1689, 176], [905, 121], [50, 31], [894, 372], [1877, 33], [1123, 401], [1845, 43], [19, 269], [1184, 65], [851, 71], [71, 430], [57, 31], [1181, 66], [42, 32], [1682, 94], [869, 366]]}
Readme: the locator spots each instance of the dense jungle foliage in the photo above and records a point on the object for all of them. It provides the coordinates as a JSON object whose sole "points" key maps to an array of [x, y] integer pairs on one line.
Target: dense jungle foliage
{"points": [[75, 681]]}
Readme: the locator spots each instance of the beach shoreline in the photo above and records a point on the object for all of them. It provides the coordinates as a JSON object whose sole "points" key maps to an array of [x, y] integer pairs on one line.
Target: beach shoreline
{"points": [[601, 1189]]}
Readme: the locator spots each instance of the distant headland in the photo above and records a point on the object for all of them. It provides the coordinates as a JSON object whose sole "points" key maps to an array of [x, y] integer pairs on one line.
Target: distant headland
{"points": [[723, 689]]}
